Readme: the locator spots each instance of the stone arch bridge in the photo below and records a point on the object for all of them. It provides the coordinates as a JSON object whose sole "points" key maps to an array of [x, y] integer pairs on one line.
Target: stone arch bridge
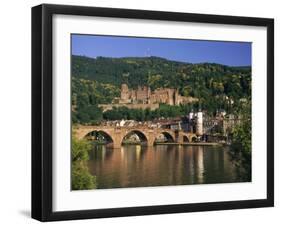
{"points": [[148, 135]]}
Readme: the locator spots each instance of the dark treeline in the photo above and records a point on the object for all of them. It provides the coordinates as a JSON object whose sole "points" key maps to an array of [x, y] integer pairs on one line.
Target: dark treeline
{"points": [[96, 81]]}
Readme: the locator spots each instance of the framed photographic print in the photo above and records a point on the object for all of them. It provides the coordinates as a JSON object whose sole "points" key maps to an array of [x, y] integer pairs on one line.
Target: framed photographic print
{"points": [[146, 112]]}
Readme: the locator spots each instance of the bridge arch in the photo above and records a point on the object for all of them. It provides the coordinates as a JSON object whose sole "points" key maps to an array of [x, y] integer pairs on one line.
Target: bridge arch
{"points": [[164, 136], [185, 139], [100, 136], [143, 140], [188, 137], [193, 138]]}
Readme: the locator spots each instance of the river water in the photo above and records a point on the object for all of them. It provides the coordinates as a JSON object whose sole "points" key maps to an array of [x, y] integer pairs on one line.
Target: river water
{"points": [[160, 165]]}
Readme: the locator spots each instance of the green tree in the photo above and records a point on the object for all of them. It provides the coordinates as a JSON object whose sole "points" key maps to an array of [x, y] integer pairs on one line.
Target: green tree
{"points": [[241, 146], [81, 179], [80, 149]]}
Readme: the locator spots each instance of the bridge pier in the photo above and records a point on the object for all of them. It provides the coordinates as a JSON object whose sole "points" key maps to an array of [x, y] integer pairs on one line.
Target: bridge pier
{"points": [[180, 139], [150, 142], [150, 136], [117, 139]]}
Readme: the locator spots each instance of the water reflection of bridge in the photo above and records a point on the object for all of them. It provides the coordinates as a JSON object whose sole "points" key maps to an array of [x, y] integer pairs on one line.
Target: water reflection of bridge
{"points": [[115, 135]]}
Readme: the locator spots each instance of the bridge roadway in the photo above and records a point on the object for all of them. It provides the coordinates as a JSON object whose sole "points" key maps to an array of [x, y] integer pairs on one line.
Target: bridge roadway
{"points": [[116, 134]]}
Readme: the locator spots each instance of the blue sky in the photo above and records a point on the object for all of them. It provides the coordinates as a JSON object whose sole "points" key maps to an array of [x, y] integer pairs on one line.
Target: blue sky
{"points": [[192, 51]]}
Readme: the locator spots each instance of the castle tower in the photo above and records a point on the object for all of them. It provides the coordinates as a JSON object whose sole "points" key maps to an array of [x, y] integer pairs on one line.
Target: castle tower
{"points": [[190, 115], [176, 101], [199, 123], [148, 95], [170, 97], [124, 92]]}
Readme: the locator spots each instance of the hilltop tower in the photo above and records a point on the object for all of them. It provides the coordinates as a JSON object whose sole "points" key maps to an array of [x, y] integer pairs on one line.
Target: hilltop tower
{"points": [[176, 98], [199, 123], [124, 92]]}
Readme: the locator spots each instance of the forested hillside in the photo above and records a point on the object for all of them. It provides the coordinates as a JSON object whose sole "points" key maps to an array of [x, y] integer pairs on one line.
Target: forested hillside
{"points": [[98, 80]]}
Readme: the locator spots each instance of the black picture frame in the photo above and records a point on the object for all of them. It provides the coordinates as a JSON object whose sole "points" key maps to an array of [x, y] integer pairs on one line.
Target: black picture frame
{"points": [[42, 120]]}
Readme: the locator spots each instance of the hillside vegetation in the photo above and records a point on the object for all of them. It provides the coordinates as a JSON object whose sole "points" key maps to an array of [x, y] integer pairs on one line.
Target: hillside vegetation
{"points": [[98, 80]]}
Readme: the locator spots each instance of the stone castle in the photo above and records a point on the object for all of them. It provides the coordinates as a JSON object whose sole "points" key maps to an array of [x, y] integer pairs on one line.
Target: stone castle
{"points": [[144, 95], [143, 98]]}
